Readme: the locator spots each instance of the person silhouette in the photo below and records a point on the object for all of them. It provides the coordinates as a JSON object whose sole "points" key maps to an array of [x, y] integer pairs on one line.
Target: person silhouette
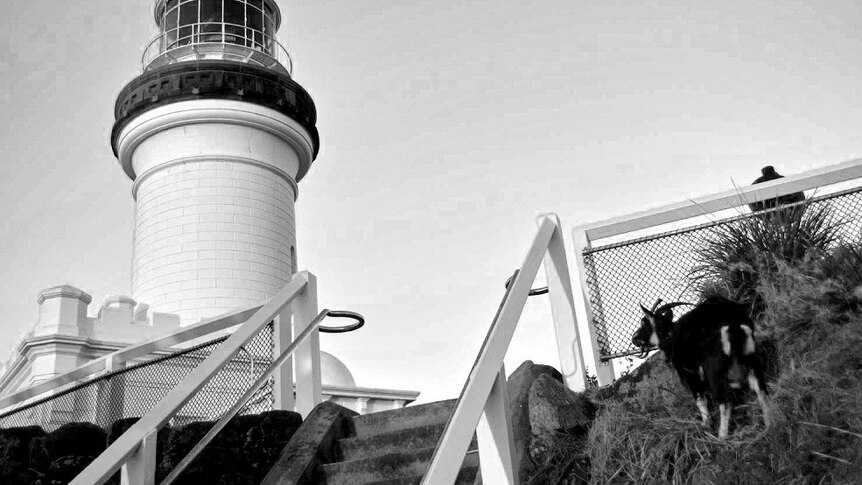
{"points": [[768, 173]]}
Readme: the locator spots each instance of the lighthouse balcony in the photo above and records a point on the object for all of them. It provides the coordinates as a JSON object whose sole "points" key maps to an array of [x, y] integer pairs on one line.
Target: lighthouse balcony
{"points": [[216, 41]]}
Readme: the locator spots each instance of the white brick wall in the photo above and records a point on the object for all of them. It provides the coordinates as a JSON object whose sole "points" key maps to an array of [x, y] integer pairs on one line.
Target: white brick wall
{"points": [[211, 236]]}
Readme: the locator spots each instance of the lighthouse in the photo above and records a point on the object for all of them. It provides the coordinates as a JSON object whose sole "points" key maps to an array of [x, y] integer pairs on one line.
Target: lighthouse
{"points": [[215, 135]]}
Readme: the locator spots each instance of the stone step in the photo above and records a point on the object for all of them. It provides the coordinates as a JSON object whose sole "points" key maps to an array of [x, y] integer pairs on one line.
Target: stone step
{"points": [[404, 418], [400, 440], [467, 476], [392, 469]]}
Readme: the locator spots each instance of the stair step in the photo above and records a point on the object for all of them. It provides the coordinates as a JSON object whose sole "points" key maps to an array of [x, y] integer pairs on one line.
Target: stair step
{"points": [[392, 442], [467, 476], [404, 418], [392, 469]]}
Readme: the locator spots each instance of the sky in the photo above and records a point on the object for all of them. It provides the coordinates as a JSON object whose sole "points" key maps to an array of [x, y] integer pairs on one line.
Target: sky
{"points": [[446, 127]]}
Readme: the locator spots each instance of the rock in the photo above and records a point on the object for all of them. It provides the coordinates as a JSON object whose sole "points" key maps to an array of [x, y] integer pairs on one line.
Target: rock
{"points": [[518, 388], [553, 408], [559, 419]]}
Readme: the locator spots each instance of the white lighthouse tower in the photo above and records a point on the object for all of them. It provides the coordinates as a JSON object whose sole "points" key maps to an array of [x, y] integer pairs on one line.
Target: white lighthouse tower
{"points": [[215, 135]]}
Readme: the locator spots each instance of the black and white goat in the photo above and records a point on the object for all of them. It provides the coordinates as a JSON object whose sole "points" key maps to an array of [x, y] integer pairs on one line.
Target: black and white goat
{"points": [[712, 348]]}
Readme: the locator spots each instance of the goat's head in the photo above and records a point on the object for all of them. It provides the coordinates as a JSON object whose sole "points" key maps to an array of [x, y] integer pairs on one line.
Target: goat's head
{"points": [[656, 325]]}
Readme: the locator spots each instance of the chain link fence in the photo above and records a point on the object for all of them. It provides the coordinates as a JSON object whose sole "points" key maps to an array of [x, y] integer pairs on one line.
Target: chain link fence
{"points": [[135, 390], [622, 275]]}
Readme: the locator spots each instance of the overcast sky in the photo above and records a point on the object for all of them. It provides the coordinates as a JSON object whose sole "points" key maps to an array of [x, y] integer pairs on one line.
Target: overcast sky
{"points": [[446, 127]]}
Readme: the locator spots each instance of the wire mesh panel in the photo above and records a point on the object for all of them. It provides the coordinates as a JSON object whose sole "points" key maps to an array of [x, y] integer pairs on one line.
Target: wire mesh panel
{"points": [[133, 391], [622, 275]]}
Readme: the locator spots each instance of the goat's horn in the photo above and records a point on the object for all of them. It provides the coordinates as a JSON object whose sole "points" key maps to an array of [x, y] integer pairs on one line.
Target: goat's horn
{"points": [[646, 312], [655, 305], [671, 305]]}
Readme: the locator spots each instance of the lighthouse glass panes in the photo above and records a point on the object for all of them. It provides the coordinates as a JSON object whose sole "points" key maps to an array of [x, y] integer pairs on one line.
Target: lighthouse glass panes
{"points": [[247, 23]]}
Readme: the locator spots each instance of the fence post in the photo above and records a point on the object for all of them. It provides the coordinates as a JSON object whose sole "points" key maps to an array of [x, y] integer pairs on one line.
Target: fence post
{"points": [[110, 395], [307, 356], [282, 380], [604, 370], [495, 439], [140, 469], [563, 308]]}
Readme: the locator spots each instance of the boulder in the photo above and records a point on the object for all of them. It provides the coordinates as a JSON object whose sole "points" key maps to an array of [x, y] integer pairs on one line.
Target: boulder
{"points": [[559, 422], [518, 388], [553, 408]]}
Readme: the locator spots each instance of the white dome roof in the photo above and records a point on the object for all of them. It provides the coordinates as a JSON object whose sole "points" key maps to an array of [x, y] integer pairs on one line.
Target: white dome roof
{"points": [[333, 372]]}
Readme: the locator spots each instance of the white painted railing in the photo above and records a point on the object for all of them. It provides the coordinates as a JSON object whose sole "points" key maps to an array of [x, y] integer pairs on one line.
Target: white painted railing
{"points": [[135, 450], [584, 236], [121, 358], [483, 405]]}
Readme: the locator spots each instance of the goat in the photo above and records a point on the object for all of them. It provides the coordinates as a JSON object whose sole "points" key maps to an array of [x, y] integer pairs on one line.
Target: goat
{"points": [[712, 348]]}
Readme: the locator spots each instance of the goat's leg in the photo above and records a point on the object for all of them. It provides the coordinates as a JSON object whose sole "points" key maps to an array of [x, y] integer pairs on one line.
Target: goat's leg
{"points": [[754, 384], [724, 420], [700, 400]]}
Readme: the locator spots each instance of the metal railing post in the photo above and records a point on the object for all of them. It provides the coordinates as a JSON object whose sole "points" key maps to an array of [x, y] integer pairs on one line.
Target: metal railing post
{"points": [[282, 384], [604, 370], [110, 395], [140, 469], [452, 446], [307, 357], [563, 308], [495, 438]]}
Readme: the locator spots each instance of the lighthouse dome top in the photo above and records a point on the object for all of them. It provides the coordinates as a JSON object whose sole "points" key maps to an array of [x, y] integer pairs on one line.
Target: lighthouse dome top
{"points": [[241, 31]]}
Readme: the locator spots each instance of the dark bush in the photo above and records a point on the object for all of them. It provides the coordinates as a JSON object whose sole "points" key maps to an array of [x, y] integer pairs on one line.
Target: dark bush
{"points": [[75, 439]]}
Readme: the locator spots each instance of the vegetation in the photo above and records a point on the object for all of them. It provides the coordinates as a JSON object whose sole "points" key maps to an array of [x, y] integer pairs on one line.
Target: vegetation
{"points": [[806, 287]]}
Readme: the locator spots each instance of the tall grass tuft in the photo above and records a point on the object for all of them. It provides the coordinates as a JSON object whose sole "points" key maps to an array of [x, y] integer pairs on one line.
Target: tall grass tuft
{"points": [[735, 256]]}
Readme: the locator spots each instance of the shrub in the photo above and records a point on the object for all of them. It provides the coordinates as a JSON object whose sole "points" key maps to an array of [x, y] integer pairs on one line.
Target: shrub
{"points": [[736, 256]]}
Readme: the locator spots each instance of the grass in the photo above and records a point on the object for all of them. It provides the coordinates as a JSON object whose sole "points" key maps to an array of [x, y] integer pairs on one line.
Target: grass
{"points": [[734, 257], [809, 291]]}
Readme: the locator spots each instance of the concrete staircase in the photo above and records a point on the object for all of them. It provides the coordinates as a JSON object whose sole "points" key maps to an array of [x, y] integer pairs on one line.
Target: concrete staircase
{"points": [[395, 448]]}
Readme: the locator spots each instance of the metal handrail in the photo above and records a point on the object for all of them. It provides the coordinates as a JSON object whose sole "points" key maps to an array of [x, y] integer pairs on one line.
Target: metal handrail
{"points": [[268, 45], [261, 380], [483, 403], [140, 437], [533, 291]]}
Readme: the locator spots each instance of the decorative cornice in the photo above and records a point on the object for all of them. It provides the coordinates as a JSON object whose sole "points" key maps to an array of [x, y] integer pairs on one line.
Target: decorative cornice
{"points": [[215, 80], [64, 291]]}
